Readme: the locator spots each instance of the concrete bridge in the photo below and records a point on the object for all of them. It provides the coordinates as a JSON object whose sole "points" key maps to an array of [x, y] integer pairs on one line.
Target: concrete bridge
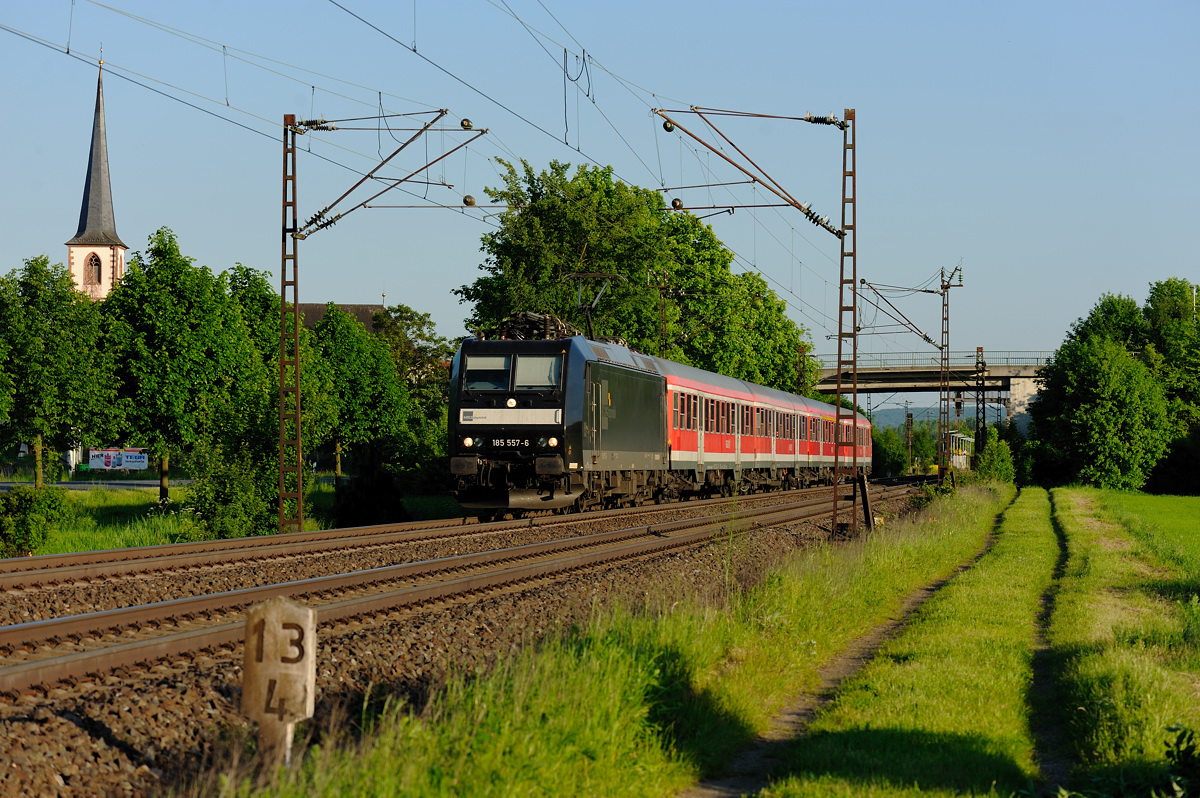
{"points": [[1008, 377]]}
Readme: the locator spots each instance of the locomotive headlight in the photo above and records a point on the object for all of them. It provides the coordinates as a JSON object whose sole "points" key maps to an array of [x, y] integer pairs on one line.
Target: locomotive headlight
{"points": [[553, 442], [511, 402], [468, 441]]}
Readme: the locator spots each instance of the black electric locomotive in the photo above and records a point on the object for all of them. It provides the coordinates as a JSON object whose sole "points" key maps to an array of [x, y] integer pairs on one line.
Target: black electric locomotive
{"points": [[529, 418]]}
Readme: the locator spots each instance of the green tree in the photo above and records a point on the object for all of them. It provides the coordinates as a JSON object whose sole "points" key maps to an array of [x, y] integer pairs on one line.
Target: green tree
{"points": [[889, 453], [1100, 416], [186, 364], [371, 403], [1173, 354], [658, 279], [995, 461], [371, 423], [1114, 316], [924, 445], [422, 362], [55, 365], [258, 302]]}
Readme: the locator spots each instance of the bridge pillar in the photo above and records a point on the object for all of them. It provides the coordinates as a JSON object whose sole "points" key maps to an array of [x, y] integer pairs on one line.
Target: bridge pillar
{"points": [[1021, 391]]}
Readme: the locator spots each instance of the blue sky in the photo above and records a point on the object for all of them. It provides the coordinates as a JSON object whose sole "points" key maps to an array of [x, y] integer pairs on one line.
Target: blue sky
{"points": [[1051, 147]]}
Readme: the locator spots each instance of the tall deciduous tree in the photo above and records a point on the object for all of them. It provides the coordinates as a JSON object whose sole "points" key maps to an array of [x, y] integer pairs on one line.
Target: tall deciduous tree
{"points": [[890, 456], [60, 373], [422, 361], [1150, 395], [659, 279], [1100, 417], [185, 360], [258, 302], [371, 403]]}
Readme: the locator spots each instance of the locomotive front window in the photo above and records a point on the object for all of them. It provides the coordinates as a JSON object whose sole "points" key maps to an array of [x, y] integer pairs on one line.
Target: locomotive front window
{"points": [[487, 372], [538, 372]]}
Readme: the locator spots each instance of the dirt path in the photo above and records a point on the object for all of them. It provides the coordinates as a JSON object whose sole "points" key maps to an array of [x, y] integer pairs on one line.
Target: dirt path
{"points": [[748, 772]]}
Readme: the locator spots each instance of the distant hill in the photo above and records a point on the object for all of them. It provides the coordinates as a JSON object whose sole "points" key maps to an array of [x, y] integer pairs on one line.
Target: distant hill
{"points": [[894, 416]]}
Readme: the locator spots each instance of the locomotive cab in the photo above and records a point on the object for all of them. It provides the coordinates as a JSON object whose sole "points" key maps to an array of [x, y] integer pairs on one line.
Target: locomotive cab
{"points": [[509, 435]]}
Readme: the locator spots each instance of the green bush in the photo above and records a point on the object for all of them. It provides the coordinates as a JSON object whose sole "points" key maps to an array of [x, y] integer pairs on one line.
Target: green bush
{"points": [[25, 518], [230, 493], [995, 461]]}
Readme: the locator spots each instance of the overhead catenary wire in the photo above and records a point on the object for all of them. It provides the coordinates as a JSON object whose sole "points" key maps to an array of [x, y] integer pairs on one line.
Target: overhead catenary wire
{"points": [[631, 87]]}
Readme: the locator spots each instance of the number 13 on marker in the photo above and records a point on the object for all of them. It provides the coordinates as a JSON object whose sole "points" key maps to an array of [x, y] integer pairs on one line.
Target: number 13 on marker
{"points": [[279, 665]]}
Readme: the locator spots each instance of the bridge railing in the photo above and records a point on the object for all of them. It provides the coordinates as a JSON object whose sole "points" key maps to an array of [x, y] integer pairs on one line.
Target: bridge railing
{"points": [[924, 360]]}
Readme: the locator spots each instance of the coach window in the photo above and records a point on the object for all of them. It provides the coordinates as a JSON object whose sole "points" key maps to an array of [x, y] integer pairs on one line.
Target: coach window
{"points": [[674, 409]]}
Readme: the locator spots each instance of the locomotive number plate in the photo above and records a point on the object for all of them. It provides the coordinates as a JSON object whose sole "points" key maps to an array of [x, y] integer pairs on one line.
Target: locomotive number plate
{"points": [[509, 442]]}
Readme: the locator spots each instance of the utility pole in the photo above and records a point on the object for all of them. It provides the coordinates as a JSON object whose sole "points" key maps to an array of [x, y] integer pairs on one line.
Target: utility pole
{"points": [[908, 424], [845, 430], [980, 404], [291, 457], [944, 382]]}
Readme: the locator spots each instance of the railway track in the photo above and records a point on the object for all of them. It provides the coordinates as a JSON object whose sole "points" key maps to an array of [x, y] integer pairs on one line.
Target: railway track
{"points": [[70, 648], [23, 573]]}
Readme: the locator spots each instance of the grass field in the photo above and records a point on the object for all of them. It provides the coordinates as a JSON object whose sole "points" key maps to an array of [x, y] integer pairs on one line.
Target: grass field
{"points": [[1126, 632], [943, 708], [116, 518], [669, 694]]}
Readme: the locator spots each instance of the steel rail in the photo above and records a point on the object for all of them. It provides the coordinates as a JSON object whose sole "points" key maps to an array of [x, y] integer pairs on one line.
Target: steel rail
{"points": [[49, 569], [622, 544], [23, 634]]}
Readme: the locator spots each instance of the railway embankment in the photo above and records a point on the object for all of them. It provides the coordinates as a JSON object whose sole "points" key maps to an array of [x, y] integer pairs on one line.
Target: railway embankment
{"points": [[971, 646], [658, 689]]}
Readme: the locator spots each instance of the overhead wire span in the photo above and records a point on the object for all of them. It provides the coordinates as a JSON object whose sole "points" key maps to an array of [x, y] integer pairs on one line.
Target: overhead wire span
{"points": [[586, 60], [234, 53]]}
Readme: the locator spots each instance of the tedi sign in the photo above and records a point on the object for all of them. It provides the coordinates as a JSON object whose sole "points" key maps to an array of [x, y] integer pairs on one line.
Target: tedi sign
{"points": [[112, 459]]}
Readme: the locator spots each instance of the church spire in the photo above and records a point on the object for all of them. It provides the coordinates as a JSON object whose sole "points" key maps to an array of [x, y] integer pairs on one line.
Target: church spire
{"points": [[96, 255], [97, 225]]}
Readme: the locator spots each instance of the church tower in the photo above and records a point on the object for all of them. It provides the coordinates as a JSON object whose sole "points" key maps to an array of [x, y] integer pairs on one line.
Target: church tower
{"points": [[96, 255]]}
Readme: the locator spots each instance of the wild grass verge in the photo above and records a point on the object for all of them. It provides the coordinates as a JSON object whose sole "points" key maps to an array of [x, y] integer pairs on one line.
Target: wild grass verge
{"points": [[642, 703], [943, 708], [1126, 632], [116, 519]]}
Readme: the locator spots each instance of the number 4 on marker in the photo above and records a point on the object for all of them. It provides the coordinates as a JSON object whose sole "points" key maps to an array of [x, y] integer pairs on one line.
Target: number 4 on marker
{"points": [[279, 711]]}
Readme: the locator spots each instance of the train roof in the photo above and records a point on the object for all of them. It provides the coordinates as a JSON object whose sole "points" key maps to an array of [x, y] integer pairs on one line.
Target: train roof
{"points": [[690, 376]]}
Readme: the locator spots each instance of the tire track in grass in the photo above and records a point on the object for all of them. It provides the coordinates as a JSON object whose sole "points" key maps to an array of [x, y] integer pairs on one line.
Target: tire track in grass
{"points": [[943, 707], [1047, 723], [749, 771]]}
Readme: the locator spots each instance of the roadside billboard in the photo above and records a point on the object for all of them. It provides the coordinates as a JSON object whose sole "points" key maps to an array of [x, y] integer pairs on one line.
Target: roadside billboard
{"points": [[113, 459]]}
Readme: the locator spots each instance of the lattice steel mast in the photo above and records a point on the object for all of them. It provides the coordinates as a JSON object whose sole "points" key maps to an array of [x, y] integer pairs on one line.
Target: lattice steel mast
{"points": [[847, 354], [944, 380], [291, 456]]}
